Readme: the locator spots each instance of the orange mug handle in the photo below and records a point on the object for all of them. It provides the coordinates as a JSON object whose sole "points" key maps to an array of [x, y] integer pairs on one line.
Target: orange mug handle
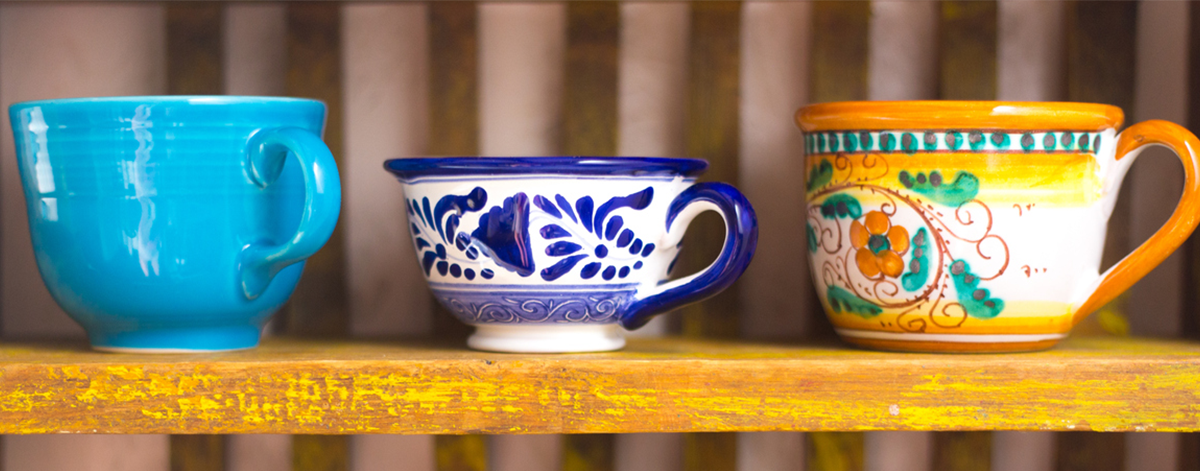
{"points": [[1171, 235]]}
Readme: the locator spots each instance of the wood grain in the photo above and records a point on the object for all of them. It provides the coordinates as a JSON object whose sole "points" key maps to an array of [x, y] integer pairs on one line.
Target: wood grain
{"points": [[1091, 451], [318, 307], [835, 451], [667, 385], [197, 453], [962, 451], [1101, 60], [838, 71], [461, 453], [194, 48], [967, 45], [590, 128], [453, 111], [712, 134], [195, 66], [838, 65]]}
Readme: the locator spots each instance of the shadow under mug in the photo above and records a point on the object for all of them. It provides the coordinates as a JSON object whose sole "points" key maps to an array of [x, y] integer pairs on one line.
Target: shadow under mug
{"points": [[556, 254], [174, 223], [975, 226]]}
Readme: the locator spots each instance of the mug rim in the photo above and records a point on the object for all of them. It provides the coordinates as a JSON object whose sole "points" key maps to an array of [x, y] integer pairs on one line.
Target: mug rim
{"points": [[946, 114], [411, 168], [157, 99]]}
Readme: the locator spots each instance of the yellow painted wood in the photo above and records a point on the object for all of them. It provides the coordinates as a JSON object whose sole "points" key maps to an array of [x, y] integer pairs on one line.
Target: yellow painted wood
{"points": [[663, 385]]}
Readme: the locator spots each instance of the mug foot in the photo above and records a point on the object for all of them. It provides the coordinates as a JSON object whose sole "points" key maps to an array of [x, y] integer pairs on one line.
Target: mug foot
{"points": [[949, 343], [547, 338], [198, 340]]}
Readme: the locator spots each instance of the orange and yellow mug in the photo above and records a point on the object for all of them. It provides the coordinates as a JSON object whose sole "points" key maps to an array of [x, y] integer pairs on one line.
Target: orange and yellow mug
{"points": [[974, 226]]}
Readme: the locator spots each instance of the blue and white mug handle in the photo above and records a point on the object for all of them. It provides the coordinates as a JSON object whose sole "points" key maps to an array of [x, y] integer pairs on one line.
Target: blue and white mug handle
{"points": [[266, 152], [741, 238]]}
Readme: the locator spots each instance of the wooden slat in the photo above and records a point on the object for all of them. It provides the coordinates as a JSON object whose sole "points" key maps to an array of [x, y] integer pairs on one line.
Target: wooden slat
{"points": [[590, 128], [1189, 449], [1091, 451], [967, 71], [320, 453], [195, 61], [197, 453], [453, 107], [1023, 451], [1101, 49], [962, 451], [318, 307], [837, 71], [454, 131], [461, 453], [835, 451], [712, 134], [968, 50], [1100, 69], [659, 385], [903, 51], [194, 52]]}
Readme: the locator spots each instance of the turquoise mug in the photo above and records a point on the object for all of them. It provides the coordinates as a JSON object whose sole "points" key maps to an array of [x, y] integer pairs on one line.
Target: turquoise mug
{"points": [[174, 224]]}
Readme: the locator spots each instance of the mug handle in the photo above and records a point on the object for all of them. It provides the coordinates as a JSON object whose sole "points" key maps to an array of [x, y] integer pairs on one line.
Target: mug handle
{"points": [[266, 152], [1171, 235], [741, 238]]}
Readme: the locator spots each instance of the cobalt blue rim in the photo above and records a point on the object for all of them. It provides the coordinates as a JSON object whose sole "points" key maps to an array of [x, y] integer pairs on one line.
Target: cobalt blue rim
{"points": [[407, 169]]}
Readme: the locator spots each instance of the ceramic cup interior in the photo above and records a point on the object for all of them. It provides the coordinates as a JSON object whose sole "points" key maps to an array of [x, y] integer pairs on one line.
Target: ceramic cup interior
{"points": [[557, 254], [174, 223], [973, 226]]}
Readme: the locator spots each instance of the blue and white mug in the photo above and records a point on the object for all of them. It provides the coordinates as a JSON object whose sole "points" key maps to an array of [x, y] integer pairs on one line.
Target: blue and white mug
{"points": [[174, 223], [556, 254]]}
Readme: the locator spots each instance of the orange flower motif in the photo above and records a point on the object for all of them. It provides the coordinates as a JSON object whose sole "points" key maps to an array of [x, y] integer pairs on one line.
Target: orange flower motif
{"points": [[879, 245]]}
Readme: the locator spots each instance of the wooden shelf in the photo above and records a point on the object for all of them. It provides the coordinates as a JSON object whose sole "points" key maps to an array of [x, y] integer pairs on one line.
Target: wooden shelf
{"points": [[309, 387]]}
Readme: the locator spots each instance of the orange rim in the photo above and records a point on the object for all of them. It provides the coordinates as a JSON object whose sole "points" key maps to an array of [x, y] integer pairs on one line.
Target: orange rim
{"points": [[872, 115]]}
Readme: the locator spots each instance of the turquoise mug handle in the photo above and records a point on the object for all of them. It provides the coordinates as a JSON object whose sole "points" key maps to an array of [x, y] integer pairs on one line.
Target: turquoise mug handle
{"points": [[266, 152]]}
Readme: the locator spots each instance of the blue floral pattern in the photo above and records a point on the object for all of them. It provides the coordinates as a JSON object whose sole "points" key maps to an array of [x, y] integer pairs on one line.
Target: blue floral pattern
{"points": [[597, 226]]}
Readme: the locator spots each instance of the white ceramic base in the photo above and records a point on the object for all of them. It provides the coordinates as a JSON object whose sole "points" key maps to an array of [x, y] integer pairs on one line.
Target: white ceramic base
{"points": [[547, 338]]}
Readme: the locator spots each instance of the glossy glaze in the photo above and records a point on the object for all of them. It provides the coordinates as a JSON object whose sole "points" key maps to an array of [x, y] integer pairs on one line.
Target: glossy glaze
{"points": [[974, 226], [174, 223], [548, 254]]}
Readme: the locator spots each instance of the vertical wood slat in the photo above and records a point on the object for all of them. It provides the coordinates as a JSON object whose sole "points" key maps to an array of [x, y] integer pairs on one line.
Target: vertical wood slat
{"points": [[195, 63], [454, 131], [319, 307], [903, 51], [967, 33], [835, 451], [712, 134], [590, 128], [1100, 68], [967, 48], [453, 120], [838, 71], [197, 452], [962, 451], [1189, 447], [194, 48]]}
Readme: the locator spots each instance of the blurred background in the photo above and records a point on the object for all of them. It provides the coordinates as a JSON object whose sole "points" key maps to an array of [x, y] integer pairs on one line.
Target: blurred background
{"points": [[717, 80]]}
